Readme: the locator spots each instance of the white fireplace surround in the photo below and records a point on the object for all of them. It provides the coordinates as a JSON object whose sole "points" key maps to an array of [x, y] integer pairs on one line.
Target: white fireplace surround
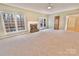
{"points": [[31, 22]]}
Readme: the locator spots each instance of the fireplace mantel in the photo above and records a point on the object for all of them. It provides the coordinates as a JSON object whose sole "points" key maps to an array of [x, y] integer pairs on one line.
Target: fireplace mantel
{"points": [[30, 23]]}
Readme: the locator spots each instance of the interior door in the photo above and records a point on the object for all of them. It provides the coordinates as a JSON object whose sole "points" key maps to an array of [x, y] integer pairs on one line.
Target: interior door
{"points": [[77, 24], [71, 23], [56, 22]]}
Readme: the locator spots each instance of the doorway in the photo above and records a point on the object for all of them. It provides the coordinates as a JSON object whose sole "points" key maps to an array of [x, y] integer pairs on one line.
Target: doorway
{"points": [[73, 23], [56, 22]]}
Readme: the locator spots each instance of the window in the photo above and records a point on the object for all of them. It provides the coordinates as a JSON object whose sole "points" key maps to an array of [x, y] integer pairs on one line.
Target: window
{"points": [[13, 23], [20, 22], [9, 22], [42, 23]]}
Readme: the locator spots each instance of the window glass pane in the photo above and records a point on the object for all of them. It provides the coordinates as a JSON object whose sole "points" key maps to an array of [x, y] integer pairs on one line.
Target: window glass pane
{"points": [[9, 22], [20, 22]]}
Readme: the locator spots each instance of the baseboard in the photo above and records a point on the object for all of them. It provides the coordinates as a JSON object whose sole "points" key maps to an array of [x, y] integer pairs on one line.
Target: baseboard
{"points": [[12, 35]]}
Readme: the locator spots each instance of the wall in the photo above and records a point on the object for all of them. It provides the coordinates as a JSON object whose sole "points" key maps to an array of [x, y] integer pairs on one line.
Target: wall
{"points": [[30, 15], [34, 16], [1, 27], [62, 18], [51, 21], [61, 23]]}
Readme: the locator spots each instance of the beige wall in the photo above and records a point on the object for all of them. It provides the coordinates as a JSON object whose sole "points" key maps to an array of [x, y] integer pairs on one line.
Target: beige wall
{"points": [[33, 16], [1, 28], [30, 15], [62, 18]]}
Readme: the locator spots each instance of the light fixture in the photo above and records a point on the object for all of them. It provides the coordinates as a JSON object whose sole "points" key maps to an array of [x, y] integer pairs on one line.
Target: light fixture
{"points": [[49, 6]]}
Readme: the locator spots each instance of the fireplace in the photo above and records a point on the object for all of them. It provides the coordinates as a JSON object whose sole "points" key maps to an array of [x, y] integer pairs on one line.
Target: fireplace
{"points": [[33, 28]]}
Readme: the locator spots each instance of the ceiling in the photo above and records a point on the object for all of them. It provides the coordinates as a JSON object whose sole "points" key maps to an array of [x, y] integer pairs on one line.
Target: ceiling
{"points": [[42, 7]]}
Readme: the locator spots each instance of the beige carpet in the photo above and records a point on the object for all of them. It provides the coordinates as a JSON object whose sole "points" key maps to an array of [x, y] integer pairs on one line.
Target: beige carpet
{"points": [[44, 43]]}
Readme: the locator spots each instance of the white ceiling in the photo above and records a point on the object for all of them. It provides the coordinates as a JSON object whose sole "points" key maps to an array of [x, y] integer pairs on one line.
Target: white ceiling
{"points": [[42, 7]]}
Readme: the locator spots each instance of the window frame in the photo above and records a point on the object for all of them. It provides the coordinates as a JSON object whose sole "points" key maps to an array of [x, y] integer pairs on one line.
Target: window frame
{"points": [[14, 18]]}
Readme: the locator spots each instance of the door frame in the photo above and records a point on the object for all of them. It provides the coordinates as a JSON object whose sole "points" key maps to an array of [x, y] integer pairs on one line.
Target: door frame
{"points": [[66, 23], [58, 22]]}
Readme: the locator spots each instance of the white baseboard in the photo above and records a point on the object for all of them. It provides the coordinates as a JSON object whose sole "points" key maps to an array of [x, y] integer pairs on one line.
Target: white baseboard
{"points": [[12, 35]]}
